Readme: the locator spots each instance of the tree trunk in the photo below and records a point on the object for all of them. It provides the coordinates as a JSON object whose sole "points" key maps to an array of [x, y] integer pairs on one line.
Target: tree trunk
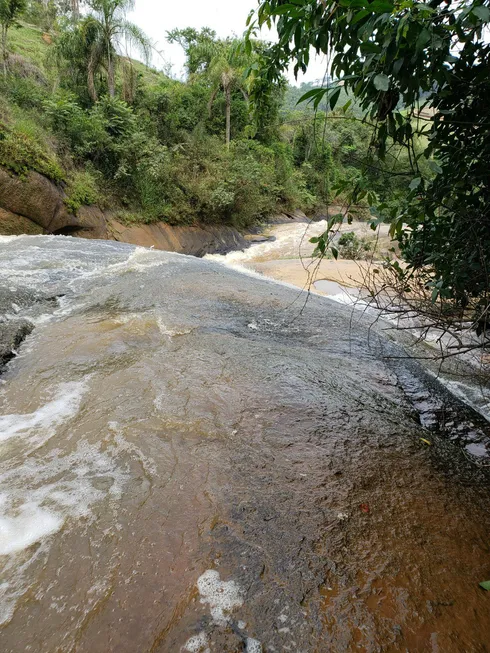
{"points": [[4, 49], [228, 115], [92, 91], [111, 76], [75, 7]]}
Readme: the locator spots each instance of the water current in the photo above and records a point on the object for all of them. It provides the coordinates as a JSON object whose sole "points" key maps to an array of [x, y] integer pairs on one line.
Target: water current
{"points": [[192, 459]]}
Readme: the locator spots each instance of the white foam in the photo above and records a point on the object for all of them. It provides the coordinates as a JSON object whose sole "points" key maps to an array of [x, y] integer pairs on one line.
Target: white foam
{"points": [[222, 596], [253, 646], [171, 332], [197, 644], [478, 397], [29, 526], [41, 424], [41, 496]]}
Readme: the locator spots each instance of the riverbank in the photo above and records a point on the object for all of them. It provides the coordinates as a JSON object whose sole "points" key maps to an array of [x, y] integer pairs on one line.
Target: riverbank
{"points": [[287, 256]]}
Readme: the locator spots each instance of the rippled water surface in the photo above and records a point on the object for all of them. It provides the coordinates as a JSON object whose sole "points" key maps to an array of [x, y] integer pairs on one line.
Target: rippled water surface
{"points": [[189, 462]]}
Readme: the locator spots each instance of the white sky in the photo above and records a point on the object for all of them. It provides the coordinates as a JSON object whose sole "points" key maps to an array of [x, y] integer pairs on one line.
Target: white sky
{"points": [[226, 17]]}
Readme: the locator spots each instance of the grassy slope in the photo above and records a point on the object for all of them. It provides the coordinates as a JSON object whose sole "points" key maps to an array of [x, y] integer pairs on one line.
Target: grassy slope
{"points": [[27, 41], [27, 141]]}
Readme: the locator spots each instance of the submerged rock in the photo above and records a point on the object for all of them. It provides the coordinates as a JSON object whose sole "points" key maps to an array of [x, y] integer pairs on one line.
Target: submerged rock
{"points": [[186, 482]]}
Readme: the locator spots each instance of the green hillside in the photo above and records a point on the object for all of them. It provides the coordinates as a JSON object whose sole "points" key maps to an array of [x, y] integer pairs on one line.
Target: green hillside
{"points": [[154, 148]]}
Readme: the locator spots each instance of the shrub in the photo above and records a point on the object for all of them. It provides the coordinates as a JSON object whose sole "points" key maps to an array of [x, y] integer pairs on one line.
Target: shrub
{"points": [[20, 153], [81, 189], [352, 247]]}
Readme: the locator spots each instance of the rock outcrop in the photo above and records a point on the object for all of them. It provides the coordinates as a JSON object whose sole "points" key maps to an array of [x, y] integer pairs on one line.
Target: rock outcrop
{"points": [[35, 205], [40, 201], [195, 240]]}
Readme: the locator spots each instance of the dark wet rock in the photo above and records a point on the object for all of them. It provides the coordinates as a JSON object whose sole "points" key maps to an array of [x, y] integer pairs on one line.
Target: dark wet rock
{"points": [[37, 200], [16, 305], [12, 334], [12, 224], [196, 240], [284, 218], [259, 238], [441, 412]]}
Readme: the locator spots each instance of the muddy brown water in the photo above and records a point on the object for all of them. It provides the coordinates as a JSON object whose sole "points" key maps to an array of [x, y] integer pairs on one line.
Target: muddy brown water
{"points": [[190, 463]]}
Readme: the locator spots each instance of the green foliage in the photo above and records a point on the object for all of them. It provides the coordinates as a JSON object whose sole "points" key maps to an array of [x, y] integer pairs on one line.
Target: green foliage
{"points": [[199, 47], [20, 153], [352, 247], [10, 11], [397, 59], [81, 189], [160, 154]]}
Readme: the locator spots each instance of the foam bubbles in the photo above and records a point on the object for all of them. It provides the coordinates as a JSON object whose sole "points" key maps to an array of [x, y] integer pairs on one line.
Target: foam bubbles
{"points": [[171, 332], [197, 644], [223, 596], [30, 525], [40, 425], [253, 646], [44, 495]]}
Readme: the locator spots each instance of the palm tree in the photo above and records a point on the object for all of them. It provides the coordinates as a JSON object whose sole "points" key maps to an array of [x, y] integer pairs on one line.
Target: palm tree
{"points": [[225, 71], [79, 54], [222, 63], [109, 16]]}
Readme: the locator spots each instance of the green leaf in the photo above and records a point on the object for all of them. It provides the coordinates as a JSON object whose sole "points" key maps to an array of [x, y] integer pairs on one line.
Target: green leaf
{"points": [[314, 93], [415, 183], [346, 105], [359, 16], [423, 39], [352, 3], [286, 9], [381, 82], [335, 252], [397, 66], [381, 6], [435, 167], [485, 585], [481, 12], [334, 98]]}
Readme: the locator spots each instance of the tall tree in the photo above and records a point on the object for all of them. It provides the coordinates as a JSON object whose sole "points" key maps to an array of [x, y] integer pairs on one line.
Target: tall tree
{"points": [[225, 71], [199, 47], [114, 30], [222, 62], [10, 11], [80, 56]]}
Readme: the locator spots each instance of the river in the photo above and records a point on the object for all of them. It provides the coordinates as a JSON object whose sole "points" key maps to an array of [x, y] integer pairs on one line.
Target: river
{"points": [[193, 459]]}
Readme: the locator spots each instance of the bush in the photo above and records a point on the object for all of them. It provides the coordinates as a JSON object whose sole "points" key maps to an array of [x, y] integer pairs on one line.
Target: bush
{"points": [[352, 247], [20, 153], [81, 189]]}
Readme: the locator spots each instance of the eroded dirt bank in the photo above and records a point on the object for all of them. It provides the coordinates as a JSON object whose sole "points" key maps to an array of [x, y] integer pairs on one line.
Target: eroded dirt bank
{"points": [[190, 463]]}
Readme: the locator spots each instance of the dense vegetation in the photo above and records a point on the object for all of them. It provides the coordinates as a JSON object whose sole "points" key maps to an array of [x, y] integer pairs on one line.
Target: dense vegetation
{"points": [[116, 133], [396, 59]]}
